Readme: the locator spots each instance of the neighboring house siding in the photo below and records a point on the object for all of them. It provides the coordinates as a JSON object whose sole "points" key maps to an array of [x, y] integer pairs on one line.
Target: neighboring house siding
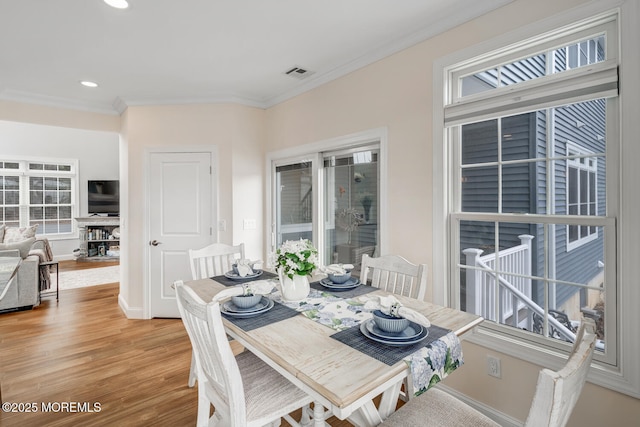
{"points": [[522, 192], [580, 264]]}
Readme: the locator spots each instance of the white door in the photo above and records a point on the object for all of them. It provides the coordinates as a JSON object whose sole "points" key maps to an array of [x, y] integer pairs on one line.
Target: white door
{"points": [[181, 217]]}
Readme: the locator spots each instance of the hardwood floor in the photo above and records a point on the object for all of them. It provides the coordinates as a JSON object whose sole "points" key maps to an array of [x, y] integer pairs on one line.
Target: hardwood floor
{"points": [[83, 350]]}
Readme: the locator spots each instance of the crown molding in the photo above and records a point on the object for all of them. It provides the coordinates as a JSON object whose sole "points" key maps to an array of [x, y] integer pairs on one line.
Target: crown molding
{"points": [[57, 102]]}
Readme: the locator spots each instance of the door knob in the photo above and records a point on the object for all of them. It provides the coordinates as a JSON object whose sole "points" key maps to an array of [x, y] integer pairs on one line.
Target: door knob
{"points": [[154, 243]]}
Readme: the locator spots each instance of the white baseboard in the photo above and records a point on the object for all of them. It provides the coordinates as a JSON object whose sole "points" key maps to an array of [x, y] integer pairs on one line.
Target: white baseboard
{"points": [[499, 417], [130, 312]]}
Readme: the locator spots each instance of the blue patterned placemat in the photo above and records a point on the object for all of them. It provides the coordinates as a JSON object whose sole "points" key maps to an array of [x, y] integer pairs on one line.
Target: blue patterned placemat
{"points": [[382, 352], [351, 293], [224, 280], [277, 313]]}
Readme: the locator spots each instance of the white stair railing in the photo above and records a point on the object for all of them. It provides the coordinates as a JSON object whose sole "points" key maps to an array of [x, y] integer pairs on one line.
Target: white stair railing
{"points": [[505, 300]]}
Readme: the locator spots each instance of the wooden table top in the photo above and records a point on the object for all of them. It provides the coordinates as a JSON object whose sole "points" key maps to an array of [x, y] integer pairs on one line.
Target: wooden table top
{"points": [[341, 375]]}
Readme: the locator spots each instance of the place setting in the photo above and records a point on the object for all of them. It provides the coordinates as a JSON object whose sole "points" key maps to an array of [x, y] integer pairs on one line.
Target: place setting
{"points": [[243, 270], [248, 305], [392, 330], [339, 279], [392, 333]]}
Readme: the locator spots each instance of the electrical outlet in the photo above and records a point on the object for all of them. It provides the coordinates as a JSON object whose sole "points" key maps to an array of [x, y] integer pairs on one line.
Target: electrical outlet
{"points": [[493, 367]]}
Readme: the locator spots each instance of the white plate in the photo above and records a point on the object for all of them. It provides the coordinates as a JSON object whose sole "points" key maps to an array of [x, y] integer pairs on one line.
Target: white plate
{"points": [[395, 343], [268, 305], [231, 307], [349, 284], [233, 276], [413, 331]]}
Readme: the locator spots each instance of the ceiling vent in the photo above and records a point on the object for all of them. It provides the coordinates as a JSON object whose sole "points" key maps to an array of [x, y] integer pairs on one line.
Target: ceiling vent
{"points": [[298, 73]]}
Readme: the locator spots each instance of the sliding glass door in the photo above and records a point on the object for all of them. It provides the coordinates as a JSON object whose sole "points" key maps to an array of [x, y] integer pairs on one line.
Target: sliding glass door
{"points": [[330, 197], [294, 202], [351, 184]]}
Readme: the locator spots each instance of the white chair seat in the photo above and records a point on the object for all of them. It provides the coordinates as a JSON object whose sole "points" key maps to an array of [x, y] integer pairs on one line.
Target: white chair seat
{"points": [[437, 408], [265, 389]]}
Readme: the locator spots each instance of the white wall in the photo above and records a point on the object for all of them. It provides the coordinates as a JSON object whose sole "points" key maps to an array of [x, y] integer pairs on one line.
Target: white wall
{"points": [[97, 153]]}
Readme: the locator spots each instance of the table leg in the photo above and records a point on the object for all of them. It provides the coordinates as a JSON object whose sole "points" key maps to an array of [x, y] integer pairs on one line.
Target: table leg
{"points": [[318, 414], [389, 400], [366, 416]]}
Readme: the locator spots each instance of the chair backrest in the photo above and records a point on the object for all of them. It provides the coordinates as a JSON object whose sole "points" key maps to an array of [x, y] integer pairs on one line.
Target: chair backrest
{"points": [[395, 274], [214, 260], [214, 358], [557, 391]]}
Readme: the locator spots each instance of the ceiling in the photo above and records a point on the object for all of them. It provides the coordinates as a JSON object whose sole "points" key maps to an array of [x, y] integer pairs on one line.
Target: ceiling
{"points": [[203, 51]]}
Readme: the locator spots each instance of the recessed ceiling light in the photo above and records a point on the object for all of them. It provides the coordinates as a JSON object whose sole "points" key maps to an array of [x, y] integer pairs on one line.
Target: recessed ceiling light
{"points": [[87, 83], [118, 4]]}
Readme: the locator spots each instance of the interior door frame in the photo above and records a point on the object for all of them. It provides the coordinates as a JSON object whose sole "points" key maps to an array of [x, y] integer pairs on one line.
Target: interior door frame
{"points": [[215, 214]]}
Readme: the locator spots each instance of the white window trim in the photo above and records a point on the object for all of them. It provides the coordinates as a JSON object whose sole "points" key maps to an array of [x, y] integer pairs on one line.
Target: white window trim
{"points": [[626, 379], [312, 149], [574, 163], [24, 171]]}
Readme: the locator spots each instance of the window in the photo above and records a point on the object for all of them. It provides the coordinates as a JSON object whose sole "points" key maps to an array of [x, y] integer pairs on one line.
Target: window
{"points": [[330, 193], [39, 192], [489, 206]]}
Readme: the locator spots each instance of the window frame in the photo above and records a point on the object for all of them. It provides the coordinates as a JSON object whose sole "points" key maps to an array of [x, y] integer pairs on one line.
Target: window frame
{"points": [[580, 153], [25, 173], [625, 376]]}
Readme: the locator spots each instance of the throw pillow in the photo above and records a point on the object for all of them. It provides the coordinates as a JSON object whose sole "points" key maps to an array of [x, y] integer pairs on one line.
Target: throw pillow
{"points": [[24, 246], [16, 234], [2, 233]]}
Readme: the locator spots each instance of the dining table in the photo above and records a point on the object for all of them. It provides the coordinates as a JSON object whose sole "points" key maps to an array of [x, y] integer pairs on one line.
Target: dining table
{"points": [[325, 355]]}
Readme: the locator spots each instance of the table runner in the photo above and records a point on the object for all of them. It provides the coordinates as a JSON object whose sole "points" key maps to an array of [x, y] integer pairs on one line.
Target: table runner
{"points": [[225, 281]]}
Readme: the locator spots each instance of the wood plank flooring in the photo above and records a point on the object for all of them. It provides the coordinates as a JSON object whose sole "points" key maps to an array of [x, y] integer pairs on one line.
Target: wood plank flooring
{"points": [[83, 349]]}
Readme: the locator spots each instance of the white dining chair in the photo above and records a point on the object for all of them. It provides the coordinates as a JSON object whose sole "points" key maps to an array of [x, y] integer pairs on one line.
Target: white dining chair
{"points": [[244, 391], [212, 260], [556, 395], [393, 273]]}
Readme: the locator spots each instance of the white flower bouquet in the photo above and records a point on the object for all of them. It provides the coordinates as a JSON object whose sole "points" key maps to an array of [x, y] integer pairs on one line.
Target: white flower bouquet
{"points": [[296, 257]]}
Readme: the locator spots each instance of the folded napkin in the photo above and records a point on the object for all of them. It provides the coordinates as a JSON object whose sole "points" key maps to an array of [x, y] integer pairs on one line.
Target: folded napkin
{"points": [[259, 287], [390, 305], [335, 268], [245, 267]]}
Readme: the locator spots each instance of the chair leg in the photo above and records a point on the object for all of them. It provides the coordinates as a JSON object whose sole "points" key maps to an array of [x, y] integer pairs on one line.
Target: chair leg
{"points": [[204, 407], [192, 372]]}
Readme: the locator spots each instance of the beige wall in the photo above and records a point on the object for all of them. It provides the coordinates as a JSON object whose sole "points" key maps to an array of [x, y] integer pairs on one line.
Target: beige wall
{"points": [[396, 92], [236, 131]]}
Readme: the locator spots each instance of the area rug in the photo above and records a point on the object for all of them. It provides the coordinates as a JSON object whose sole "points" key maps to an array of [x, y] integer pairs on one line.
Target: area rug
{"points": [[87, 277]]}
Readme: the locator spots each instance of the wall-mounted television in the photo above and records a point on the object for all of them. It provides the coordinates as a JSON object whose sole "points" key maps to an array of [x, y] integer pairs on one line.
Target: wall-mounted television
{"points": [[104, 197]]}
